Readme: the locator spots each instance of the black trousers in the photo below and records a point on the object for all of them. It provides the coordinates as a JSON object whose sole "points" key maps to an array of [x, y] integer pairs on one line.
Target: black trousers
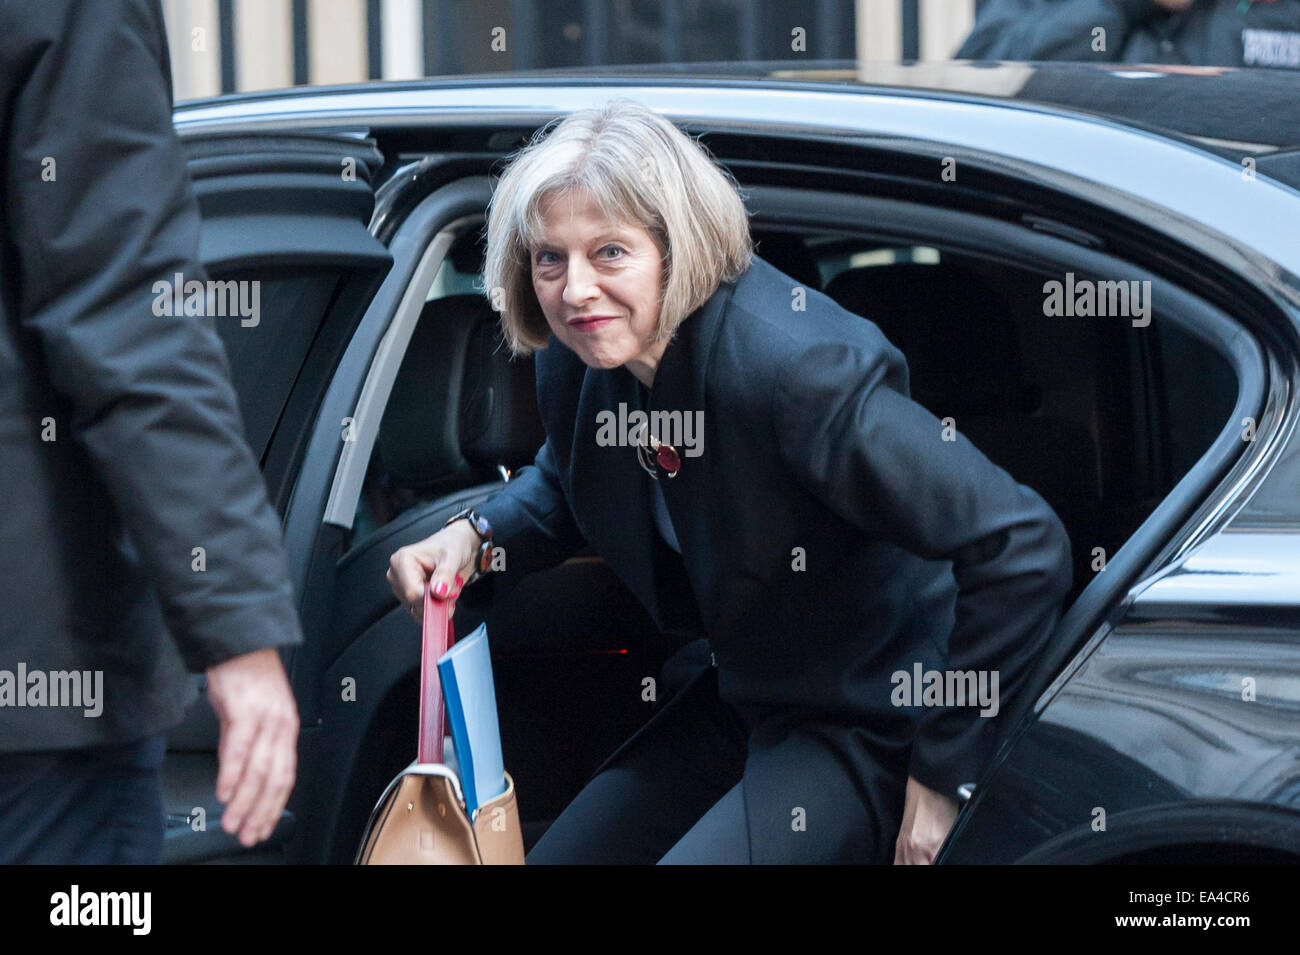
{"points": [[96, 806], [671, 795]]}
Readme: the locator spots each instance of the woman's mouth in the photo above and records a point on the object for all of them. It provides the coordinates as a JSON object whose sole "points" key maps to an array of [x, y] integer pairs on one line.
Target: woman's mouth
{"points": [[586, 323]]}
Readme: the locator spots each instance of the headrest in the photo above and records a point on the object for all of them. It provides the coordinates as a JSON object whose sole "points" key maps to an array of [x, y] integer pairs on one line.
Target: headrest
{"points": [[954, 329], [499, 419], [459, 406]]}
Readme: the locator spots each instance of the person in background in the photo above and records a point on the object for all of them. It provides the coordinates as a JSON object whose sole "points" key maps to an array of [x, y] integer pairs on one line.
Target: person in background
{"points": [[121, 451], [1249, 33]]}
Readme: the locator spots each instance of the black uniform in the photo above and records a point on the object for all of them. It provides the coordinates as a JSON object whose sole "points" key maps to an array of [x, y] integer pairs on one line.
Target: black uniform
{"points": [[1254, 33]]}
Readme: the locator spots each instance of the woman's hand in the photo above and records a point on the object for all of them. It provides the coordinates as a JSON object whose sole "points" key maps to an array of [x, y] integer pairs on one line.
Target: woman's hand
{"points": [[446, 559], [927, 817]]}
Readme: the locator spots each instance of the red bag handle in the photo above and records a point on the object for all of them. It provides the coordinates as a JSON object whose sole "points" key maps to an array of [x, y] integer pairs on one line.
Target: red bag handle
{"points": [[438, 637]]}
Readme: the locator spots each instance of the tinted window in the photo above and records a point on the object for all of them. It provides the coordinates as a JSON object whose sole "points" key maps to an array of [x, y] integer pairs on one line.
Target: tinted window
{"points": [[267, 353]]}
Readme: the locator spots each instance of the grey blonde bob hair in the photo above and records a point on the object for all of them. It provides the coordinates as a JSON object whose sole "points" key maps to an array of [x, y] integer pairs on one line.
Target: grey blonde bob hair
{"points": [[640, 169]]}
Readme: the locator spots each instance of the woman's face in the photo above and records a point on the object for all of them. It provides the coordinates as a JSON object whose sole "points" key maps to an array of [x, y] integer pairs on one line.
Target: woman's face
{"points": [[598, 283]]}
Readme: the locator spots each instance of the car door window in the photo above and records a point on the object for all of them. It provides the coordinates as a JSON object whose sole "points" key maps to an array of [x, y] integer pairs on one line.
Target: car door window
{"points": [[267, 351], [1101, 418]]}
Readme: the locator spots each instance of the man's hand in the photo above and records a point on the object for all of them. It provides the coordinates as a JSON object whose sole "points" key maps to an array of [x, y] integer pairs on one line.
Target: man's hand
{"points": [[258, 752], [927, 817]]}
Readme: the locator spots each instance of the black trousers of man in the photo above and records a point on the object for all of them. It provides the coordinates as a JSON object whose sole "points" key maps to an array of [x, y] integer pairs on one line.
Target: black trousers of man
{"points": [[98, 805]]}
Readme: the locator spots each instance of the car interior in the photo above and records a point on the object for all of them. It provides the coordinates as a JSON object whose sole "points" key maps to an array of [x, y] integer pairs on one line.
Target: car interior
{"points": [[1099, 417]]}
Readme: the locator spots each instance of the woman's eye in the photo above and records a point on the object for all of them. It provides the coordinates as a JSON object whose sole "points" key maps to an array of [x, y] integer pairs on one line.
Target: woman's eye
{"points": [[609, 252]]}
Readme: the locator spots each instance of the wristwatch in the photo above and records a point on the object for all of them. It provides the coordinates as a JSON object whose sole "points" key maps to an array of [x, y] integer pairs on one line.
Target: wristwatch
{"points": [[483, 560]]}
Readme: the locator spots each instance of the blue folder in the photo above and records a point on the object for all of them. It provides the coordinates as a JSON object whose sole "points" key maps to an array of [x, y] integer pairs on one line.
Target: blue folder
{"points": [[466, 674]]}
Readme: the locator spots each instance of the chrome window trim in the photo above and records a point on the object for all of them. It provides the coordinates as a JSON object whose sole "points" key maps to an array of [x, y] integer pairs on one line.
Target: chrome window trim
{"points": [[350, 472], [1253, 568]]}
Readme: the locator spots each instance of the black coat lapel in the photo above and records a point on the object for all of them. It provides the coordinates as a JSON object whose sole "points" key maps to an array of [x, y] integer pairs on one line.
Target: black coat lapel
{"points": [[609, 486], [679, 395], [612, 491]]}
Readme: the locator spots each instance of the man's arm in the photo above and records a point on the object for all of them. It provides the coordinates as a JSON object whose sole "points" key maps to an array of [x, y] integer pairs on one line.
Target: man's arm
{"points": [[98, 207], [1053, 29]]}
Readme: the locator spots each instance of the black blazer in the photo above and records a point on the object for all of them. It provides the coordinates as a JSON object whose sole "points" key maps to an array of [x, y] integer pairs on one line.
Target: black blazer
{"points": [[121, 443], [916, 550]]}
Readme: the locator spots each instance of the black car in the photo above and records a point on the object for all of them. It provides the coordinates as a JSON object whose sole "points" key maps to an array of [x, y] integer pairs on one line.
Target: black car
{"points": [[959, 207]]}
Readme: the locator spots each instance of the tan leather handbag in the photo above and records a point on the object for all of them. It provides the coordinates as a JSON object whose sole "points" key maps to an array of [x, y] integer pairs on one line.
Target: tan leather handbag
{"points": [[421, 819]]}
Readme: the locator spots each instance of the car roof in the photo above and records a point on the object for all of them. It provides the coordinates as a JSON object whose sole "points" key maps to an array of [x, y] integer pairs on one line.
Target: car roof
{"points": [[1107, 162], [1231, 112]]}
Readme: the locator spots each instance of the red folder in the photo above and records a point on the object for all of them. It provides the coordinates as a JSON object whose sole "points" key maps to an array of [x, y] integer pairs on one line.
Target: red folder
{"points": [[438, 638]]}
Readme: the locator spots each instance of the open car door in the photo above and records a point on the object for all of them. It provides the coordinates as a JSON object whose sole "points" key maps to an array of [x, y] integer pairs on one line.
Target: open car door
{"points": [[287, 213]]}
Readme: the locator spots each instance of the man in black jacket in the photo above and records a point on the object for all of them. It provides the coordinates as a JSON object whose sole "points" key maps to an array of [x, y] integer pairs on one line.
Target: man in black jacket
{"points": [[1251, 33], [136, 539]]}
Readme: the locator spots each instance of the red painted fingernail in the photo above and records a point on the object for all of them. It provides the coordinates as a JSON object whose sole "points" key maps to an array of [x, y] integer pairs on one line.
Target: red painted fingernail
{"points": [[441, 589], [459, 583]]}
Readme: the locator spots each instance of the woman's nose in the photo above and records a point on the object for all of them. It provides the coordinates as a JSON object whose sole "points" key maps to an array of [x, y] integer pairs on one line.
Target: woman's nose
{"points": [[580, 282]]}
